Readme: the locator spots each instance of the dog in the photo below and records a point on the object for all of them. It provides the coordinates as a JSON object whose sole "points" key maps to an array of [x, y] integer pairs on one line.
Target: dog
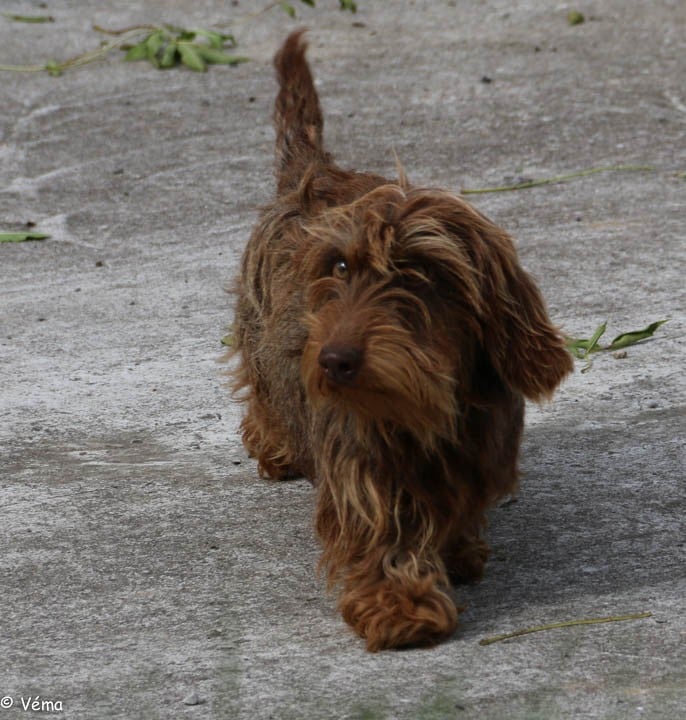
{"points": [[385, 339]]}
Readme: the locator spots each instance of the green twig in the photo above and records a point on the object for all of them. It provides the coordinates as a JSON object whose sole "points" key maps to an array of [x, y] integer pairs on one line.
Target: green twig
{"points": [[126, 30], [57, 68], [29, 18], [568, 623], [558, 179]]}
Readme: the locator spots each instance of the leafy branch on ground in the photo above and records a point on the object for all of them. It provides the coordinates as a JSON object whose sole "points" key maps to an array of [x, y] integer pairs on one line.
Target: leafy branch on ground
{"points": [[582, 348], [164, 46], [167, 46]]}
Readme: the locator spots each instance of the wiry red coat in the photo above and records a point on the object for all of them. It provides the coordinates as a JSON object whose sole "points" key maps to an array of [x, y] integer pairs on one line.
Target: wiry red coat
{"points": [[386, 337]]}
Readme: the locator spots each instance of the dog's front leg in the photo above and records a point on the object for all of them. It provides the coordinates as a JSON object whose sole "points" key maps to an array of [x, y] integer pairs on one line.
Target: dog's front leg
{"points": [[394, 588], [396, 601]]}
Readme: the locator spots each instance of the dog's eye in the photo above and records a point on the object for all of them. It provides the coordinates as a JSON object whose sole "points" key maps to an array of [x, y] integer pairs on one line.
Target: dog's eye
{"points": [[340, 270]]}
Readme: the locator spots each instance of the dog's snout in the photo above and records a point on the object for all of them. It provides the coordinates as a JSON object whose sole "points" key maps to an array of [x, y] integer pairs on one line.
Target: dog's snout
{"points": [[340, 364]]}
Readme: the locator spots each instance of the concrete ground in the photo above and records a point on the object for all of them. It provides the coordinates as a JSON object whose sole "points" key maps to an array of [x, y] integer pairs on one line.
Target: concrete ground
{"points": [[145, 570]]}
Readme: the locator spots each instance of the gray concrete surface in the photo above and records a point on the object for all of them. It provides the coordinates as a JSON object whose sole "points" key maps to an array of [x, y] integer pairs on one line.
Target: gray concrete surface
{"points": [[141, 559]]}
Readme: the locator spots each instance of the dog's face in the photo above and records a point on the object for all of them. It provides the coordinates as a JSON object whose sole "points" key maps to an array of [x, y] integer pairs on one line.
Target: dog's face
{"points": [[406, 293]]}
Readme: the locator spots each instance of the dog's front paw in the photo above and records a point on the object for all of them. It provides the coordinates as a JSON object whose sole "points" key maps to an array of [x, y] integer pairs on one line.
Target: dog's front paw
{"points": [[391, 614]]}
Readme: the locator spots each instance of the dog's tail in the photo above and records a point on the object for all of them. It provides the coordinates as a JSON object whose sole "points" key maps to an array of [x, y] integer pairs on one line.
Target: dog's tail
{"points": [[297, 116]]}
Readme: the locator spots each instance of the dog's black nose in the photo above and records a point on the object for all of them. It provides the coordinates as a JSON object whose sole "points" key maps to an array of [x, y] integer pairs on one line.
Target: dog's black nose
{"points": [[340, 364]]}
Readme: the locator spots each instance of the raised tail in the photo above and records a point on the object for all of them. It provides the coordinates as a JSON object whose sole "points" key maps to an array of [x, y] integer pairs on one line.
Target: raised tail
{"points": [[297, 116]]}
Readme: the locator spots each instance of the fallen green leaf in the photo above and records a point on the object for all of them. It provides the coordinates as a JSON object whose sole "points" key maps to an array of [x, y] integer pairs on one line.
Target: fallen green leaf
{"points": [[216, 40], [578, 347], [217, 57], [287, 8], [191, 58], [348, 5], [227, 340], [574, 17], [137, 52], [153, 44], [169, 55], [22, 236], [581, 347], [636, 336], [593, 342]]}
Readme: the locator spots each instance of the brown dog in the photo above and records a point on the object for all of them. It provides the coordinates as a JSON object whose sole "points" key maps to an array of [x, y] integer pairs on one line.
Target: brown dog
{"points": [[386, 337]]}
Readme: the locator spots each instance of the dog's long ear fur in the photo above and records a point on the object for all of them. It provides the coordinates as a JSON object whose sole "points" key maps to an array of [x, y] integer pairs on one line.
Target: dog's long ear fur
{"points": [[297, 116], [518, 338], [524, 347]]}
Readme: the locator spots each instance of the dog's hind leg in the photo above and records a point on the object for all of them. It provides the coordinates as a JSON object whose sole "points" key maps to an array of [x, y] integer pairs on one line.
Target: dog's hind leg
{"points": [[269, 443]]}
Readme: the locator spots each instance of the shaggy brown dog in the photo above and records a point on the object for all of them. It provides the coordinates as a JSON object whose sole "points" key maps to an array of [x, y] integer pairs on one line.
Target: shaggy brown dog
{"points": [[386, 338]]}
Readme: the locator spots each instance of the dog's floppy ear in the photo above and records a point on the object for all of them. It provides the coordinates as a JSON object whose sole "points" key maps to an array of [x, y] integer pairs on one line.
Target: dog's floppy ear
{"points": [[523, 345]]}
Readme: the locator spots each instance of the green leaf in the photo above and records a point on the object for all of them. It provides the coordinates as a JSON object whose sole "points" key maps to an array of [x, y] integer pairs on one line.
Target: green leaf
{"points": [[287, 8], [137, 52], [227, 340], [582, 347], [348, 5], [631, 338], [21, 236], [169, 56], [191, 58], [574, 17], [578, 347], [217, 57], [593, 342], [308, 2], [29, 18], [153, 44]]}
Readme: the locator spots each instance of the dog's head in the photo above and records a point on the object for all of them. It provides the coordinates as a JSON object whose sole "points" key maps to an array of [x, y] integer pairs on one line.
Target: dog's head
{"points": [[409, 293]]}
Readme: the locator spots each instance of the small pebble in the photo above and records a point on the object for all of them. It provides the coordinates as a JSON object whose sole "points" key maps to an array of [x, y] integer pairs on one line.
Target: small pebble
{"points": [[620, 354], [193, 699]]}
